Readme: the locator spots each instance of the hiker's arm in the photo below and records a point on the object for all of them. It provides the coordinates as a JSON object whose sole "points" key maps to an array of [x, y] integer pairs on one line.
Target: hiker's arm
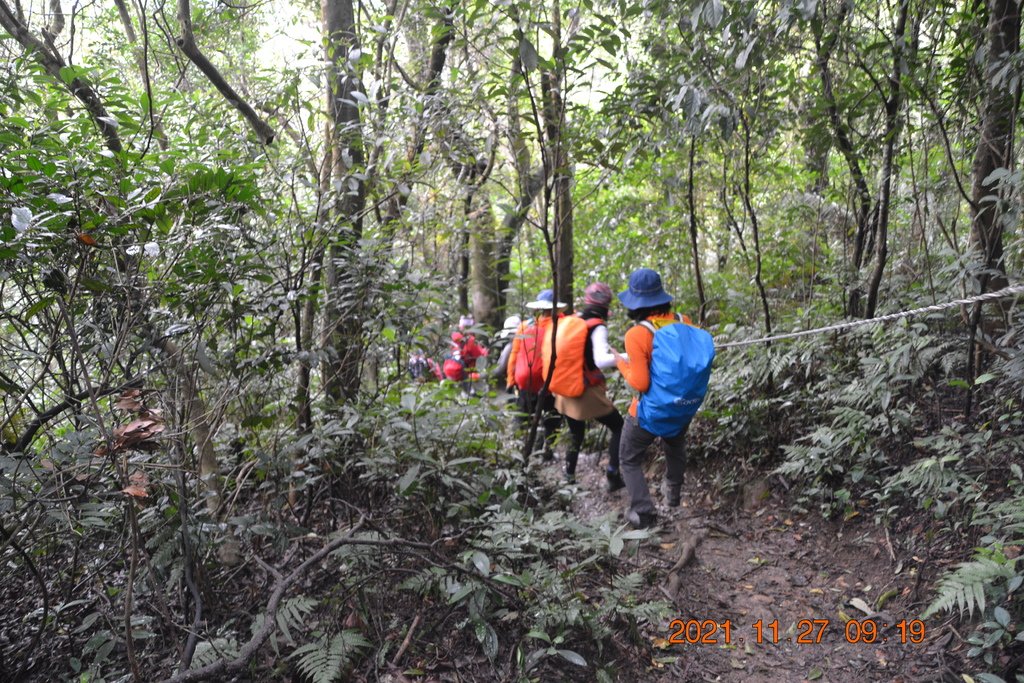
{"points": [[510, 373], [636, 368], [501, 370], [604, 356]]}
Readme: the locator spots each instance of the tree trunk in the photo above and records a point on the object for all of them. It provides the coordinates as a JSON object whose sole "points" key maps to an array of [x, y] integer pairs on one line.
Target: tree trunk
{"points": [[754, 226], [825, 47], [561, 180], [695, 251], [484, 282], [343, 299], [995, 144], [994, 153], [902, 56]]}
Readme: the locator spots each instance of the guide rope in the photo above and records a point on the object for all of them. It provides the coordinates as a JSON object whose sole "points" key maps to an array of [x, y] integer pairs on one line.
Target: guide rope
{"points": [[1003, 293]]}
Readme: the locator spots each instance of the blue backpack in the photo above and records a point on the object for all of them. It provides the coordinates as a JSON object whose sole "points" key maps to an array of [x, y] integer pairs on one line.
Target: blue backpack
{"points": [[680, 369]]}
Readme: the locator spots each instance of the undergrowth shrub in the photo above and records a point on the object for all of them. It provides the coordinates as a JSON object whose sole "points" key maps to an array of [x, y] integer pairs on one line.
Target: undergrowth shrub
{"points": [[873, 419]]}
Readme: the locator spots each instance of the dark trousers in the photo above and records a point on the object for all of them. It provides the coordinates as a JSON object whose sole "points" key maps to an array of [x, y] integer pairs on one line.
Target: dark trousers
{"points": [[635, 440], [551, 419], [578, 429]]}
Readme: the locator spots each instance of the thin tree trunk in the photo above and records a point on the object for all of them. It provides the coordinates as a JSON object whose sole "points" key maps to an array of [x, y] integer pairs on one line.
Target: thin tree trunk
{"points": [[825, 48], [754, 227], [199, 422], [142, 61], [901, 56], [343, 301], [554, 118], [442, 38], [695, 251]]}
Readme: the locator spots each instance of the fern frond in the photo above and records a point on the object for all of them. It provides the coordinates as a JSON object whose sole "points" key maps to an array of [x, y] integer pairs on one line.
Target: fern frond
{"points": [[326, 661], [209, 651], [965, 588], [292, 615]]}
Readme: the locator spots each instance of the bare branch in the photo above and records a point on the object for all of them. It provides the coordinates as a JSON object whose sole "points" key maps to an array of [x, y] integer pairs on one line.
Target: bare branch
{"points": [[53, 63], [223, 667], [187, 43]]}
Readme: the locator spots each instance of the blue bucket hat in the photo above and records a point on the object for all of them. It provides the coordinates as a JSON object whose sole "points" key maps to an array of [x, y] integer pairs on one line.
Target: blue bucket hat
{"points": [[545, 301], [644, 291]]}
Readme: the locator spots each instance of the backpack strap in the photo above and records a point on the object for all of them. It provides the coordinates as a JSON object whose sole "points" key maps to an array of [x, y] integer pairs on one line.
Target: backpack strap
{"points": [[648, 325]]}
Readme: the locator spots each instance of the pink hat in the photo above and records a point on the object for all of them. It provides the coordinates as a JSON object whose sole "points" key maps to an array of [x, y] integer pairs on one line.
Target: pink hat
{"points": [[597, 293]]}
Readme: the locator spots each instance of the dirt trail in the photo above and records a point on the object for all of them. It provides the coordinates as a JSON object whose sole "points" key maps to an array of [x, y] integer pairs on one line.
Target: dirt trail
{"points": [[757, 561]]}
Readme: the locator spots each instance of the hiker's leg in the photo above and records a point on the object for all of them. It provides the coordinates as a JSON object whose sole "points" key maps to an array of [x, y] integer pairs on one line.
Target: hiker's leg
{"points": [[635, 440], [613, 421], [525, 403], [552, 423], [675, 466], [578, 429]]}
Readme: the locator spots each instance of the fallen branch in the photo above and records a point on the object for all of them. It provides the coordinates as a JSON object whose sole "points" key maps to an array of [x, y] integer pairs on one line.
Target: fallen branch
{"points": [[408, 639], [222, 668], [686, 555]]}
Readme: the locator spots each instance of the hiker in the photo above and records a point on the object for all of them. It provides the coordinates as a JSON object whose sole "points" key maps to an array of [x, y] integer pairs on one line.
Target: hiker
{"points": [[669, 362], [526, 369], [423, 369], [581, 352], [503, 340], [460, 361]]}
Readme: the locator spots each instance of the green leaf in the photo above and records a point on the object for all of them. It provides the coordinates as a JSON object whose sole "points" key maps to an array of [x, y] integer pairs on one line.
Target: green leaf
{"points": [[572, 657], [510, 579], [488, 638], [713, 12], [987, 377], [1001, 616], [615, 545], [528, 54], [408, 479], [482, 563]]}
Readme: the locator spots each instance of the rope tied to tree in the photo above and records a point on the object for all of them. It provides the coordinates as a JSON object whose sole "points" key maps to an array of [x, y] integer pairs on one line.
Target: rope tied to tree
{"points": [[1003, 293]]}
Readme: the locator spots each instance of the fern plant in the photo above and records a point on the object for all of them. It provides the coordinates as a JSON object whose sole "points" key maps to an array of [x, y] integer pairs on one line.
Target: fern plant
{"points": [[989, 577], [327, 659]]}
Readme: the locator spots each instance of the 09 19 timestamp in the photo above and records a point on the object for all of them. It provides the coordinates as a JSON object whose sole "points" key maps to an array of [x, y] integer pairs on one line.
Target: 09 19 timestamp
{"points": [[805, 631]]}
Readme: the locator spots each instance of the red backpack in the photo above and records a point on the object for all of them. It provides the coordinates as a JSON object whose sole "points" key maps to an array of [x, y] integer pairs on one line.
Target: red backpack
{"points": [[529, 370]]}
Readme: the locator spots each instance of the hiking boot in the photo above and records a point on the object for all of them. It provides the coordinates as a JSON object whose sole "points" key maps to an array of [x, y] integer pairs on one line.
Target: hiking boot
{"points": [[614, 480], [570, 478], [670, 492], [641, 520]]}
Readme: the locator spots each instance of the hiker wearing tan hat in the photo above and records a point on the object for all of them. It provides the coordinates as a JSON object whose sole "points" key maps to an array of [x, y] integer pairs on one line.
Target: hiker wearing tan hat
{"points": [[526, 370]]}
